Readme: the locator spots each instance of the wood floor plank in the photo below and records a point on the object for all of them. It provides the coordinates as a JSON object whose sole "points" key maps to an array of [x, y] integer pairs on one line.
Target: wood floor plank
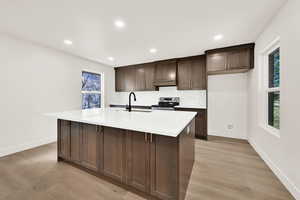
{"points": [[224, 169]]}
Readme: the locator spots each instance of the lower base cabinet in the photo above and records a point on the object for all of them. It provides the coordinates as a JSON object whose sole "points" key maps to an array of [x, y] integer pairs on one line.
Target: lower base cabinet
{"points": [[113, 153], [137, 160], [63, 139], [75, 141], [90, 146], [201, 122], [79, 143], [164, 167], [157, 166]]}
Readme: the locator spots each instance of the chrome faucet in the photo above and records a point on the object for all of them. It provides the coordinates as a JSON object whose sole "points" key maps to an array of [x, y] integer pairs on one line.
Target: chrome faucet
{"points": [[129, 106]]}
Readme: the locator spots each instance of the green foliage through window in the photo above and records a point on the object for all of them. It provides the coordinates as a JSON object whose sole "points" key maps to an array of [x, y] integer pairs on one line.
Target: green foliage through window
{"points": [[274, 96]]}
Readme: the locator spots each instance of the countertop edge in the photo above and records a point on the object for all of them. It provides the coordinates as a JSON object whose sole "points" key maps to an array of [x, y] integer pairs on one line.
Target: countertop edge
{"points": [[169, 134]]}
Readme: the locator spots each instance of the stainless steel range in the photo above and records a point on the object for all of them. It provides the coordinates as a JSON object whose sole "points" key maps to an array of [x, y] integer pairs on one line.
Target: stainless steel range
{"points": [[166, 103]]}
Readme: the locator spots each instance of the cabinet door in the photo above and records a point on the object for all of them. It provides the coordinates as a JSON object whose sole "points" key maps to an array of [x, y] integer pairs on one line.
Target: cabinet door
{"points": [[198, 75], [120, 79], [165, 73], [137, 160], [201, 125], [238, 59], [140, 83], [76, 130], [149, 76], [91, 145], [184, 74], [164, 167], [113, 153], [130, 79], [125, 79], [216, 62], [64, 139]]}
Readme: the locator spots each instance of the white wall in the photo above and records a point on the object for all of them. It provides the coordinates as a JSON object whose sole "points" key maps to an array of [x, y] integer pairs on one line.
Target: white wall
{"points": [[187, 97], [281, 154], [36, 80], [227, 105]]}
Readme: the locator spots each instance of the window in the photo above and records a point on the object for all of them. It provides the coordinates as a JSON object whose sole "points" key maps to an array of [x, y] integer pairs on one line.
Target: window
{"points": [[270, 96], [274, 89], [91, 90]]}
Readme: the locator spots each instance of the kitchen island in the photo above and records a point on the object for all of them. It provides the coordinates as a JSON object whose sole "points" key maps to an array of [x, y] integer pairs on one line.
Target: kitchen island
{"points": [[148, 152]]}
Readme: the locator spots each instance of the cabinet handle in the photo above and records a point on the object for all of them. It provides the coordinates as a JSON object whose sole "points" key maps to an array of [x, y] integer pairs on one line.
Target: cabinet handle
{"points": [[145, 137], [151, 137], [190, 83]]}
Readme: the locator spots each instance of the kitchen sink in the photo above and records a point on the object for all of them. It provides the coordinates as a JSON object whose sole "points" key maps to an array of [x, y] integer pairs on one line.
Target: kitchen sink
{"points": [[145, 111]]}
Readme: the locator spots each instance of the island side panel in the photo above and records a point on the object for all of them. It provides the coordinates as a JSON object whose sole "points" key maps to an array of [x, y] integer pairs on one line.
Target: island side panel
{"points": [[63, 139], [186, 157]]}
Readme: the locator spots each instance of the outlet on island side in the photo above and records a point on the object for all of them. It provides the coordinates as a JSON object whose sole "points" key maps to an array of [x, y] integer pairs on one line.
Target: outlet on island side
{"points": [[230, 126]]}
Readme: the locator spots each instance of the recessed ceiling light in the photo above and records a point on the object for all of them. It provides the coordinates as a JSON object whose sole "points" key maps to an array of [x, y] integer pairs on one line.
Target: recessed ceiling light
{"points": [[119, 24], [152, 50], [218, 37], [111, 58], [68, 42]]}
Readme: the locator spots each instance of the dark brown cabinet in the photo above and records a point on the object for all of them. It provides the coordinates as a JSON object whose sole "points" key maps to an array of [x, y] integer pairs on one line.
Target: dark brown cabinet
{"points": [[135, 78], [120, 79], [76, 138], [233, 59], [63, 138], [165, 73], [90, 146], [137, 160], [164, 166], [238, 59], [200, 122], [157, 166], [192, 73], [125, 79], [129, 78], [145, 77], [113, 153], [189, 73], [80, 144], [216, 62]]}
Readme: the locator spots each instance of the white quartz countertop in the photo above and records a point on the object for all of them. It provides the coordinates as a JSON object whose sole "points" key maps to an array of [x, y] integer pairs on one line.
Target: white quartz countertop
{"points": [[191, 106], [167, 123]]}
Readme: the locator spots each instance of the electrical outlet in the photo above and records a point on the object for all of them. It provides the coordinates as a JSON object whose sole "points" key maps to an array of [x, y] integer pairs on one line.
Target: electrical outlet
{"points": [[230, 126]]}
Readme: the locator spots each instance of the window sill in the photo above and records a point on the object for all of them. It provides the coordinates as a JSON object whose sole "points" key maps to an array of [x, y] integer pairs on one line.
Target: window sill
{"points": [[273, 131]]}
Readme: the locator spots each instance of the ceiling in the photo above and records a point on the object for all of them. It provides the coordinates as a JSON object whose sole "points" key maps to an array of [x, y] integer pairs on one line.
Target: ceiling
{"points": [[176, 28]]}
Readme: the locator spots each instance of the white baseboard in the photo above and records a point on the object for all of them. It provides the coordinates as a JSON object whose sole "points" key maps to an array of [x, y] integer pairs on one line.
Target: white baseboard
{"points": [[227, 135], [21, 147], [277, 171]]}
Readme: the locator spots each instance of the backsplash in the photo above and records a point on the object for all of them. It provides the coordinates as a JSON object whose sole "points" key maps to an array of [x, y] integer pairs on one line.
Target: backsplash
{"points": [[187, 97]]}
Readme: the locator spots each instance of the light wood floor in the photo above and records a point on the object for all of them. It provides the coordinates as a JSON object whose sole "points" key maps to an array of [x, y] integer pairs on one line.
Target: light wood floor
{"points": [[224, 169]]}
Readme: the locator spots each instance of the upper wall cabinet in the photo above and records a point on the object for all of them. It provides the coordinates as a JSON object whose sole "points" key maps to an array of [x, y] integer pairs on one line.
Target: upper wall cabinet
{"points": [[125, 79], [135, 78], [165, 73], [228, 60], [145, 77], [192, 73]]}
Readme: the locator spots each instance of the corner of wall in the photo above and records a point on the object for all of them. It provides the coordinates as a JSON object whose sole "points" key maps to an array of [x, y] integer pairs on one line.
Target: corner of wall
{"points": [[288, 183]]}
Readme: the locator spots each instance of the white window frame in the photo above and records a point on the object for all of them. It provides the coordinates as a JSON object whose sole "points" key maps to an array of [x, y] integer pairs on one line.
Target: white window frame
{"points": [[102, 99], [264, 87]]}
